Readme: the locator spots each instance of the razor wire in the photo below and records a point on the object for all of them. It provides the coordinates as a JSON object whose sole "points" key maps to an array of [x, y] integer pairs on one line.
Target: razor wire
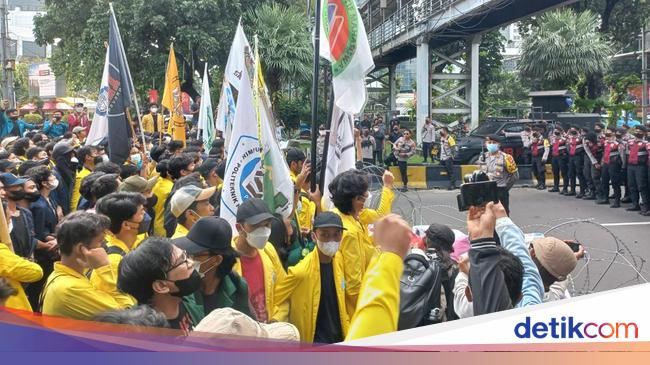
{"points": [[609, 262]]}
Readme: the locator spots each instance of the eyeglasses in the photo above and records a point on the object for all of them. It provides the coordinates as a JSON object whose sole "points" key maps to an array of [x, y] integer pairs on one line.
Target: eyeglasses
{"points": [[184, 259]]}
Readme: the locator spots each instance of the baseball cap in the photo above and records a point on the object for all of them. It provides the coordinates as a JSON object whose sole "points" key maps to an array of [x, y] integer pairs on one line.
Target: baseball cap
{"points": [[295, 154], [555, 256], [9, 179], [8, 142], [77, 129], [228, 321], [137, 184], [253, 211], [207, 166], [328, 220], [495, 138], [6, 164], [641, 128], [186, 196], [61, 149], [212, 234], [440, 235]]}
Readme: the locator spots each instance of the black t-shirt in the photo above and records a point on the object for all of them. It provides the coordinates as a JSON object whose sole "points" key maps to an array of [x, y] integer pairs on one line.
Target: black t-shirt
{"points": [[328, 322], [20, 236], [183, 321]]}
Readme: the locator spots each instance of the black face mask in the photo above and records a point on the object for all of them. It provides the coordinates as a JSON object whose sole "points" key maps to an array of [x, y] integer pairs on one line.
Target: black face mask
{"points": [[32, 197], [145, 224], [598, 131], [151, 202], [639, 135], [97, 160], [225, 267], [574, 133], [557, 133], [188, 286], [16, 195]]}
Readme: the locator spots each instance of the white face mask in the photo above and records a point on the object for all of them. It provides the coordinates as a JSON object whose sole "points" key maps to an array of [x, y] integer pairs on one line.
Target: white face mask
{"points": [[78, 110], [105, 158], [54, 185], [322, 133], [328, 248], [74, 160], [258, 237], [154, 110]]}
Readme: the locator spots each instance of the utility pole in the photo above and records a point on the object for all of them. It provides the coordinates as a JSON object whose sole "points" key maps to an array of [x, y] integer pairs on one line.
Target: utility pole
{"points": [[7, 62], [644, 76]]}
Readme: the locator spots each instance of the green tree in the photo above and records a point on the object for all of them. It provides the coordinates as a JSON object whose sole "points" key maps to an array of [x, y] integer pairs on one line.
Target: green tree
{"points": [[562, 47], [198, 28], [284, 44]]}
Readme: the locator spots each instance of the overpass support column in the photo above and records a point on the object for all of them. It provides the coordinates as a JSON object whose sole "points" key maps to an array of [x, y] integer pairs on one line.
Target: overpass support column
{"points": [[392, 89], [474, 87], [423, 64]]}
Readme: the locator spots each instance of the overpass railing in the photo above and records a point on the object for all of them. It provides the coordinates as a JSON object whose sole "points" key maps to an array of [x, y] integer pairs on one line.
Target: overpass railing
{"points": [[406, 18]]}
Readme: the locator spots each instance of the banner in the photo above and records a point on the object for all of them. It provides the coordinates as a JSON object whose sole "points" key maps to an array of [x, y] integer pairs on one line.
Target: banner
{"points": [[99, 127], [343, 41], [206, 122], [341, 156], [172, 99], [120, 96]]}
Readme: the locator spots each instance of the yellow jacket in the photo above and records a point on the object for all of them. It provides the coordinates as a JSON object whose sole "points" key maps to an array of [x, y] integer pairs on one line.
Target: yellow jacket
{"points": [[378, 309], [70, 294], [273, 275], [357, 247], [162, 189], [305, 213], [180, 231], [147, 123], [114, 258], [76, 195], [302, 287], [18, 270]]}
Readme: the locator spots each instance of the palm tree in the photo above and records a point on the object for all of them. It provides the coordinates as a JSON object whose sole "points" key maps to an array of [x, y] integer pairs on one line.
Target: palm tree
{"points": [[564, 46], [284, 44]]}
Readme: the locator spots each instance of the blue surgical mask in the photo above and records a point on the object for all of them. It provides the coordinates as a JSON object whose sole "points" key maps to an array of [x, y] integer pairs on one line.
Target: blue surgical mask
{"points": [[492, 147], [137, 160]]}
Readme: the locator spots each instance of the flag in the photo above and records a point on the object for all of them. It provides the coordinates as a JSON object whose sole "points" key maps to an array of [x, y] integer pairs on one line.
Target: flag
{"points": [[206, 122], [343, 41], [99, 127], [240, 52], [244, 177], [341, 154], [278, 186], [120, 95], [172, 99]]}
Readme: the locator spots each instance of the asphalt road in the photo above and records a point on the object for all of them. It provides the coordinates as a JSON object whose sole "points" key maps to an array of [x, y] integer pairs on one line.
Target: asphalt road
{"points": [[617, 241]]}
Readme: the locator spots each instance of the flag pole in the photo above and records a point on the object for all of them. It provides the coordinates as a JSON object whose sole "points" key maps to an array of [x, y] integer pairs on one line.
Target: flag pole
{"points": [[314, 95], [323, 165], [135, 97]]}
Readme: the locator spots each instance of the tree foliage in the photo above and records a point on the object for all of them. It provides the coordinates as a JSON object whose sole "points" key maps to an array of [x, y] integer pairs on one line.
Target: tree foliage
{"points": [[562, 47]]}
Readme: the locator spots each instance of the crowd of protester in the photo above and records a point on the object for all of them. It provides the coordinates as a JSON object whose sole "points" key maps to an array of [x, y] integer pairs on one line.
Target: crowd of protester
{"points": [[142, 243]]}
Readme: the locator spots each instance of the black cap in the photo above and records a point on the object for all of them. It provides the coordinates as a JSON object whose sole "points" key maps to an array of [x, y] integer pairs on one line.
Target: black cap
{"points": [[440, 235], [211, 233], [61, 149], [641, 128], [207, 166], [253, 211], [9, 179], [295, 154], [328, 220], [495, 138]]}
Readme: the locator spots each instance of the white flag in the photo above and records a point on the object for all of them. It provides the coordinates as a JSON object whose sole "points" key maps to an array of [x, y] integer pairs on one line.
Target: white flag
{"points": [[341, 155], [99, 127], [236, 65], [226, 110], [343, 41], [206, 123], [244, 176]]}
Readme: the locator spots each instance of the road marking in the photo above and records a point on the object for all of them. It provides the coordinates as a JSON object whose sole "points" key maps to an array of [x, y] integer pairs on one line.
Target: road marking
{"points": [[625, 224]]}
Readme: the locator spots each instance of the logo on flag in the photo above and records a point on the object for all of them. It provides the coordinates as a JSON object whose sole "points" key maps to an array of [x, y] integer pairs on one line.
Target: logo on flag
{"points": [[102, 102], [245, 178], [342, 30]]}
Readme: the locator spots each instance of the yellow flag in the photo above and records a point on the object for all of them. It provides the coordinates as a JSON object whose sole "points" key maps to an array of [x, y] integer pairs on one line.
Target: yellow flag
{"points": [[172, 99]]}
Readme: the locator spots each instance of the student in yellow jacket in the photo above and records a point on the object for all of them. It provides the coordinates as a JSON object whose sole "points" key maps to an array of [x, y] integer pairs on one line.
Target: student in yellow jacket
{"points": [[162, 190], [86, 156], [378, 308], [315, 287], [18, 270], [259, 263], [68, 292], [153, 122], [349, 192]]}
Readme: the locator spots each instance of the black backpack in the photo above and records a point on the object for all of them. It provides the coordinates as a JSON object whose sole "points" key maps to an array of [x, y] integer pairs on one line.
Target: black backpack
{"points": [[420, 290]]}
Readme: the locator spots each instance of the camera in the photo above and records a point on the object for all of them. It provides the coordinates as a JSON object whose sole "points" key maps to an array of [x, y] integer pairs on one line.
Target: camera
{"points": [[477, 191]]}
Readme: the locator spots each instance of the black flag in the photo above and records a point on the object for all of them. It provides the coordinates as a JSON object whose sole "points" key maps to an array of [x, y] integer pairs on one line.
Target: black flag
{"points": [[120, 96]]}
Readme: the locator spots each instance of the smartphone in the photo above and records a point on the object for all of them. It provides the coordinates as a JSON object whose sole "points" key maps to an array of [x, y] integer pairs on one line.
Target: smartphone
{"points": [[575, 246], [477, 194]]}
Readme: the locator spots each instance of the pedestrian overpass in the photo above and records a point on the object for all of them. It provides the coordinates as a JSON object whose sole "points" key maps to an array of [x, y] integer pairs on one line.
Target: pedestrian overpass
{"points": [[400, 30]]}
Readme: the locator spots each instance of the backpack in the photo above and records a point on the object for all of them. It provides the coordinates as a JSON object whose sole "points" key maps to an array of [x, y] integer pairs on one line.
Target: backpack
{"points": [[420, 290]]}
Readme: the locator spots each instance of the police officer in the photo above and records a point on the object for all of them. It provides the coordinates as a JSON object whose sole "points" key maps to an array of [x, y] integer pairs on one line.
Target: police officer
{"points": [[636, 160], [647, 147], [539, 150], [623, 136], [594, 145], [576, 165], [500, 167], [611, 168], [587, 166], [559, 160]]}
